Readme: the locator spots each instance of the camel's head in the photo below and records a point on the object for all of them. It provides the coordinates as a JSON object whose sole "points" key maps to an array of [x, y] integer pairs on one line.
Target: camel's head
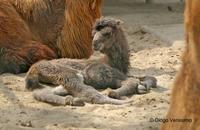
{"points": [[105, 33]]}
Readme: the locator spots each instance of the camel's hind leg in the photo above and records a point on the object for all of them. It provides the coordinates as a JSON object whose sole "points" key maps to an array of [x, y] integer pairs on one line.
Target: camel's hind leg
{"points": [[45, 72], [47, 95]]}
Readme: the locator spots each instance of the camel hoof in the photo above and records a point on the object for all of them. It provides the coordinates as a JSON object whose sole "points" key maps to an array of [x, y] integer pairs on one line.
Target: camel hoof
{"points": [[149, 81], [143, 89]]}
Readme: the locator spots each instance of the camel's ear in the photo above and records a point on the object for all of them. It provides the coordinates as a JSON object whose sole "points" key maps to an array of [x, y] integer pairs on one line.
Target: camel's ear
{"points": [[119, 23]]}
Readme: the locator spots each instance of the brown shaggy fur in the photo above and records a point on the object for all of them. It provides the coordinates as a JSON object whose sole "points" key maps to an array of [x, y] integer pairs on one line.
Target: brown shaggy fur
{"points": [[64, 25], [185, 100], [18, 50], [76, 42], [32, 30]]}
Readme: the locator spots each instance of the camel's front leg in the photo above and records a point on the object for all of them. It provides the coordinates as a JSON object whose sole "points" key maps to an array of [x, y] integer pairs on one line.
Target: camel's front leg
{"points": [[130, 86], [89, 94]]}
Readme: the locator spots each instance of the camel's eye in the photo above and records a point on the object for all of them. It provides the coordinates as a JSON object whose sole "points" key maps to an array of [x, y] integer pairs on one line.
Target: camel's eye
{"points": [[99, 27]]}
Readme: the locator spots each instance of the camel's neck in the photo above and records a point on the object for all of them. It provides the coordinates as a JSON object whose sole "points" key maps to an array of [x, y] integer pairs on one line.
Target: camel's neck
{"points": [[75, 42], [72, 42], [118, 55], [66, 23]]}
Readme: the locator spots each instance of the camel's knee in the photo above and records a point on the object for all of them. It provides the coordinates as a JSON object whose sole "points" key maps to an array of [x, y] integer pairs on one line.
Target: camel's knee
{"points": [[10, 63], [9, 68]]}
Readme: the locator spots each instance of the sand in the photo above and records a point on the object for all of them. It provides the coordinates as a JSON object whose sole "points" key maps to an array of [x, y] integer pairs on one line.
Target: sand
{"points": [[153, 52]]}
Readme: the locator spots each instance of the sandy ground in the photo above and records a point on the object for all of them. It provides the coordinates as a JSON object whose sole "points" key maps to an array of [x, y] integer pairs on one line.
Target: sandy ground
{"points": [[155, 36]]}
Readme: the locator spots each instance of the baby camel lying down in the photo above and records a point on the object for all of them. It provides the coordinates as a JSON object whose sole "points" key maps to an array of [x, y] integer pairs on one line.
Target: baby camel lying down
{"points": [[79, 79]]}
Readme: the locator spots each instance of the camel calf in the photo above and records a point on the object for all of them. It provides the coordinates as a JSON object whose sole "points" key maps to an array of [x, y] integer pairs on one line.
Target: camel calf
{"points": [[79, 78], [185, 102]]}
